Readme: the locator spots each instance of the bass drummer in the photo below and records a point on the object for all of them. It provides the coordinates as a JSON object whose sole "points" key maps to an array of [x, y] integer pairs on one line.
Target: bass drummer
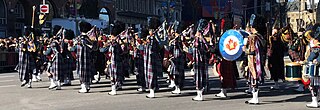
{"points": [[314, 57]]}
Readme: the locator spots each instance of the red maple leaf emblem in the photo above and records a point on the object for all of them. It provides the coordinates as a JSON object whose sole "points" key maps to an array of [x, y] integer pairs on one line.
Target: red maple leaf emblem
{"points": [[231, 45]]}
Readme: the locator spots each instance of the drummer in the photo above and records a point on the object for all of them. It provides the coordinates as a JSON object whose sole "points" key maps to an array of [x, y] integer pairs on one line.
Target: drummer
{"points": [[254, 51], [314, 57]]}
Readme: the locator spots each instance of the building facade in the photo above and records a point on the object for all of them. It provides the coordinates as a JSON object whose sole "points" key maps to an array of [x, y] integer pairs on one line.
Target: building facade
{"points": [[15, 15], [134, 13], [300, 14]]}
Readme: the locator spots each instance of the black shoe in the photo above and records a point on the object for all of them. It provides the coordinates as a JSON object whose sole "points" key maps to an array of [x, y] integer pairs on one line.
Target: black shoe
{"points": [[197, 100], [149, 97], [23, 84], [50, 88], [247, 102]]}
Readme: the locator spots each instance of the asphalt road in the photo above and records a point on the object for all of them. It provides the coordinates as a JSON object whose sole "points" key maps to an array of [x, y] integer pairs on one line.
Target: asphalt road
{"points": [[13, 97]]}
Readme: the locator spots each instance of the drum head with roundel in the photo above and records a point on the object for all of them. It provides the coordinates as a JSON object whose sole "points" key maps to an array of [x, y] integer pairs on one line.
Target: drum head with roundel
{"points": [[230, 45]]}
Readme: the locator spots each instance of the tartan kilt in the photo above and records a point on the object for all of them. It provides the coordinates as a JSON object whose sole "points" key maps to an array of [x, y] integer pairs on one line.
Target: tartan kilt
{"points": [[139, 65], [69, 67], [227, 71], [179, 64], [120, 69], [100, 62], [315, 81], [156, 65], [200, 70], [31, 63], [58, 67], [201, 75], [84, 64], [118, 74], [125, 66], [23, 69]]}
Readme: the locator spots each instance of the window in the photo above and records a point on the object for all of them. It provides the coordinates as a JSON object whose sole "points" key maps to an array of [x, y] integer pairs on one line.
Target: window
{"points": [[19, 11], [2, 13], [159, 12], [131, 5], [177, 16], [120, 4], [146, 6], [117, 4], [19, 26], [151, 6], [135, 5], [104, 14], [140, 6], [123, 5], [127, 5]]}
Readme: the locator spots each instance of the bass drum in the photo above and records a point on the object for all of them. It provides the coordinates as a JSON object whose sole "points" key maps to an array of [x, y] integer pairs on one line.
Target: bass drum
{"points": [[230, 45]]}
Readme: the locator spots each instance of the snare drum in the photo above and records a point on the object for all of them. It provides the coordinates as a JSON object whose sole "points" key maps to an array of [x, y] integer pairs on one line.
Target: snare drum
{"points": [[310, 69], [293, 71]]}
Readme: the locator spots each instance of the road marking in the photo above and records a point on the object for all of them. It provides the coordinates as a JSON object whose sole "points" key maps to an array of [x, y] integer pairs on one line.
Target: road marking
{"points": [[8, 86], [2, 81], [9, 76], [4, 74]]}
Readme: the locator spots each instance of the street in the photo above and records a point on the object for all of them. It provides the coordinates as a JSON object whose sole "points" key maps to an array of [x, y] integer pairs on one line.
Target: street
{"points": [[13, 97]]}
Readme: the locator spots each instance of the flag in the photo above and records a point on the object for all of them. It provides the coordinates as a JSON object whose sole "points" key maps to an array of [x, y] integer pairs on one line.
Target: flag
{"points": [[207, 29], [124, 34], [92, 34]]}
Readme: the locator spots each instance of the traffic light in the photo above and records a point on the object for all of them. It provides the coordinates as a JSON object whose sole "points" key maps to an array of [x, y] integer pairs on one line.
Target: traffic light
{"points": [[42, 18]]}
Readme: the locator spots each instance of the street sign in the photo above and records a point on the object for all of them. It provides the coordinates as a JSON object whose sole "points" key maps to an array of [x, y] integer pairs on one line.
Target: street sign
{"points": [[44, 8]]}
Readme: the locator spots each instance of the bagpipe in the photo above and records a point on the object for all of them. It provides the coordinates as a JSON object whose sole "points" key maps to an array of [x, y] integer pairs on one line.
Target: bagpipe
{"points": [[124, 36], [183, 36], [89, 39]]}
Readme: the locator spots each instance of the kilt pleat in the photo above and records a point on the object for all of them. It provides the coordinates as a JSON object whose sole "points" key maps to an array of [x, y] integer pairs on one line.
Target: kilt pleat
{"points": [[200, 66], [58, 67], [84, 67]]}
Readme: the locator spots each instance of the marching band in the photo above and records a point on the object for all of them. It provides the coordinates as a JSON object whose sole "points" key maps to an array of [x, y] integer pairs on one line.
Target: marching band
{"points": [[165, 48]]}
